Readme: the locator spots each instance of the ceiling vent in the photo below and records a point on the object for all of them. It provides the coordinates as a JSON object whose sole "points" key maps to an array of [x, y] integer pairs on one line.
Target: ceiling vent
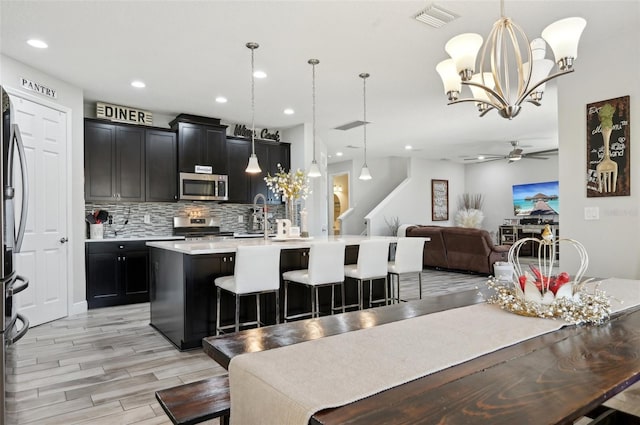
{"points": [[350, 125], [352, 147], [435, 16]]}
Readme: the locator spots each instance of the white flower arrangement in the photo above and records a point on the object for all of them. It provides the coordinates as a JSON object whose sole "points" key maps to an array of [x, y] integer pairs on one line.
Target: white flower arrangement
{"points": [[291, 186]]}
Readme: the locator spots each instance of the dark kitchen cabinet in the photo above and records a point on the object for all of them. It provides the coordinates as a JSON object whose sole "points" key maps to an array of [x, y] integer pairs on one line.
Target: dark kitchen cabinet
{"points": [[238, 152], [201, 141], [161, 177], [243, 187], [117, 273], [114, 162]]}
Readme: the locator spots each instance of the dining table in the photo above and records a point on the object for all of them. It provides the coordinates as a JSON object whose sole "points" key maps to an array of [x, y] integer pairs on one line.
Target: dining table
{"points": [[555, 377]]}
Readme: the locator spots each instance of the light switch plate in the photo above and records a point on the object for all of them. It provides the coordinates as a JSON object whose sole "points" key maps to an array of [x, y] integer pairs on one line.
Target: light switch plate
{"points": [[591, 213], [147, 219], [240, 219]]}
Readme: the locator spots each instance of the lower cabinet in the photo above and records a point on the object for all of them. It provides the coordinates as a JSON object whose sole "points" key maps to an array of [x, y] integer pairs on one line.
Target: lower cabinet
{"points": [[117, 273]]}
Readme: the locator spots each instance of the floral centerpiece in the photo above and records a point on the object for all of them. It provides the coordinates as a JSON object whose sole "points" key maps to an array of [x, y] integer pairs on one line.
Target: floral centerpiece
{"points": [[291, 186], [538, 292]]}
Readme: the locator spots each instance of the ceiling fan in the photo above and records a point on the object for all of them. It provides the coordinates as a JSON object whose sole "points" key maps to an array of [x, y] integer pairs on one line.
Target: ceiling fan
{"points": [[516, 154]]}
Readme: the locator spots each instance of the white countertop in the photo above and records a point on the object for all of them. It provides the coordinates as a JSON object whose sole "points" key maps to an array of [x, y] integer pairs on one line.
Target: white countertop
{"points": [[228, 245], [137, 238]]}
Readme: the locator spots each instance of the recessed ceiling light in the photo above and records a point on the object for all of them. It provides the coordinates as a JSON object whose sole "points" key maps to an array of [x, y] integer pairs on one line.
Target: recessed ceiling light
{"points": [[408, 147], [39, 44], [289, 111], [260, 74], [480, 157], [221, 99], [338, 153], [138, 84]]}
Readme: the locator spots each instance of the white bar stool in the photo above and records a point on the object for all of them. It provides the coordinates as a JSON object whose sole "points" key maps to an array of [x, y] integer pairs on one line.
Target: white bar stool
{"points": [[409, 259], [373, 256], [326, 268], [256, 271]]}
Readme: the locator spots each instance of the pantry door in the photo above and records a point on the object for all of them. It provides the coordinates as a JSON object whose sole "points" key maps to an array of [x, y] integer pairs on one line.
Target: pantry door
{"points": [[43, 256]]}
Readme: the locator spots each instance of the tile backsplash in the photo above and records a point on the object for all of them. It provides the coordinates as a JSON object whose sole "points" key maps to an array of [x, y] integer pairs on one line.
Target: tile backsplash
{"points": [[128, 217]]}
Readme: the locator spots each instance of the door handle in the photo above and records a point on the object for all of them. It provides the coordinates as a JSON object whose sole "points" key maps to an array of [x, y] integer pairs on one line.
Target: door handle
{"points": [[25, 184], [63, 240]]}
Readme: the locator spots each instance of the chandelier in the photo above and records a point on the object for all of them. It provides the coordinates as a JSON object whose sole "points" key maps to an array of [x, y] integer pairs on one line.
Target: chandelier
{"points": [[511, 70]]}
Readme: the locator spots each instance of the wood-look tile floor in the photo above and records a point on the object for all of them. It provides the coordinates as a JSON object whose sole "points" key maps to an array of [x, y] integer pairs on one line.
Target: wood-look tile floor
{"points": [[104, 366]]}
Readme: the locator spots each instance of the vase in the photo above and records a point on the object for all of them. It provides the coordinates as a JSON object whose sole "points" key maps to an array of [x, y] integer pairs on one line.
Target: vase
{"points": [[291, 212]]}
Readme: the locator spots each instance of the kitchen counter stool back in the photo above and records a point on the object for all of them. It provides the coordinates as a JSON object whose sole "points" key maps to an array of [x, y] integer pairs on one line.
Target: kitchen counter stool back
{"points": [[409, 259], [373, 256], [256, 271], [326, 268]]}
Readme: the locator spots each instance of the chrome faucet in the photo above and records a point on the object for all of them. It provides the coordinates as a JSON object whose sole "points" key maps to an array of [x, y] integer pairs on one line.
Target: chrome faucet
{"points": [[264, 213]]}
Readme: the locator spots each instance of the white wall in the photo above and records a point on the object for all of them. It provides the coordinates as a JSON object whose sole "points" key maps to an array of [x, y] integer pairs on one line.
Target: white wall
{"points": [[404, 192], [70, 97], [365, 195], [494, 180], [608, 70]]}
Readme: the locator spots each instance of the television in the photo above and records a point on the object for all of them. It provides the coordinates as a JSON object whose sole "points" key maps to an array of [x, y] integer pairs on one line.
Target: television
{"points": [[536, 199]]}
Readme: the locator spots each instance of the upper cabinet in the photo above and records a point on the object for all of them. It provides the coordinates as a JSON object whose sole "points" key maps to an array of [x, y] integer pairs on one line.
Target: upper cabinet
{"points": [[161, 177], [129, 163], [201, 141], [243, 187], [114, 162], [125, 162]]}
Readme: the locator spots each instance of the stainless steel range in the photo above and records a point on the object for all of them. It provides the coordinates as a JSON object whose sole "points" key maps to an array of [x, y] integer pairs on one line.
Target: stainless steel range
{"points": [[198, 228]]}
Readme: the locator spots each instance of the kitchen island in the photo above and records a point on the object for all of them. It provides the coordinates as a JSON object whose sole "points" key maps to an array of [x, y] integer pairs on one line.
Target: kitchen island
{"points": [[183, 296]]}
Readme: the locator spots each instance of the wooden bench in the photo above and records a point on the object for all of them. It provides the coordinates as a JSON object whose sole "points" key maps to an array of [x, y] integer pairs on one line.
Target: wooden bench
{"points": [[198, 401]]}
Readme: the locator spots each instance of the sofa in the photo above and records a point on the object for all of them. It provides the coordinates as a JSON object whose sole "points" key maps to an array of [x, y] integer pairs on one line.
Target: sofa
{"points": [[458, 248]]}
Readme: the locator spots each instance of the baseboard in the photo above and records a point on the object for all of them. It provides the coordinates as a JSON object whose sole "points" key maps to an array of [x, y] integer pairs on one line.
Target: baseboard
{"points": [[79, 307]]}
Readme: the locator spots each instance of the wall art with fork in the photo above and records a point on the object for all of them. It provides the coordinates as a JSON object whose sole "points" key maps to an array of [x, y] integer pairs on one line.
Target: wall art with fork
{"points": [[608, 148]]}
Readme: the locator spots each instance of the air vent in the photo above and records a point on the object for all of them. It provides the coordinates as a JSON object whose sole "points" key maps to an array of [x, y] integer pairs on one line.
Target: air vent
{"points": [[435, 16], [352, 147], [350, 125]]}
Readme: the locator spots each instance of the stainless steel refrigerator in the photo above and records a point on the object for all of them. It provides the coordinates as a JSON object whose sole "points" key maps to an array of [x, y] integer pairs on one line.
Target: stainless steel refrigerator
{"points": [[13, 326]]}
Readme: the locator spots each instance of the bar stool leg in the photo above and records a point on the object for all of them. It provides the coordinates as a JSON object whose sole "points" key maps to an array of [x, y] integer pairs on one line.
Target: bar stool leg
{"points": [[420, 283], [360, 294], [258, 309], [237, 312], [317, 302], [218, 312], [286, 299], [386, 291], [277, 306], [343, 300]]}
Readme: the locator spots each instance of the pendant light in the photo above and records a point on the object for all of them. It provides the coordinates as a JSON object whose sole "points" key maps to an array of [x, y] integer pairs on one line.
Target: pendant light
{"points": [[253, 167], [364, 173], [314, 170]]}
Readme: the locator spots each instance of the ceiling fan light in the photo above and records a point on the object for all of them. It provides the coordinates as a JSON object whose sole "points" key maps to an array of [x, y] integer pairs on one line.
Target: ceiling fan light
{"points": [[563, 37], [463, 49]]}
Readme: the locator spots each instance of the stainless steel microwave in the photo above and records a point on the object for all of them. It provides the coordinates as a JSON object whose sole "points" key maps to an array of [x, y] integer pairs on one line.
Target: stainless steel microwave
{"points": [[204, 187]]}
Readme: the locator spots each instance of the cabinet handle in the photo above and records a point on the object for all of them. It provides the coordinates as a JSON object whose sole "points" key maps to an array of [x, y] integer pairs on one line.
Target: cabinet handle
{"points": [[224, 259], [231, 259]]}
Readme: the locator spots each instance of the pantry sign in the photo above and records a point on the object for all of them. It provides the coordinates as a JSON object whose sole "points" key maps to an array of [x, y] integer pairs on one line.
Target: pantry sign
{"points": [[123, 114]]}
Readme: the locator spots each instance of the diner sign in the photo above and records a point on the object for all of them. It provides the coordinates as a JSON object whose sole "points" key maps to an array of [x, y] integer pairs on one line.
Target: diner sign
{"points": [[242, 131], [123, 114], [38, 88]]}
